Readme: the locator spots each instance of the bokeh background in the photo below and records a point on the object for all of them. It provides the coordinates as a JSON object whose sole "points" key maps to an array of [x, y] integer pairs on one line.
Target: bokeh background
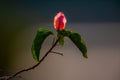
{"points": [[98, 21]]}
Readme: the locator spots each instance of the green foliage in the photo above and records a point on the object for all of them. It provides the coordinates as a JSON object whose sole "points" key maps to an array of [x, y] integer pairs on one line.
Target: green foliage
{"points": [[76, 39], [79, 42], [61, 40], [41, 35], [64, 32]]}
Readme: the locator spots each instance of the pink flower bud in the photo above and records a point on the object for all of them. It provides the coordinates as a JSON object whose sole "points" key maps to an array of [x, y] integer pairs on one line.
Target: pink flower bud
{"points": [[60, 21]]}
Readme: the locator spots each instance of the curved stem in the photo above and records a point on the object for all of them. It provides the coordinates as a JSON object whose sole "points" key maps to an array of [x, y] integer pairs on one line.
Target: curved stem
{"points": [[34, 66]]}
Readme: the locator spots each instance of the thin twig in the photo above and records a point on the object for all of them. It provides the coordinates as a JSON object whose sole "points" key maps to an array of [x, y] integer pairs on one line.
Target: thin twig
{"points": [[57, 53], [34, 66]]}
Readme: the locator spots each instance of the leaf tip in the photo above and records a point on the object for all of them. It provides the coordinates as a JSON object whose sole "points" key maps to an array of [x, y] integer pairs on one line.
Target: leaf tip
{"points": [[84, 52], [36, 58], [85, 56]]}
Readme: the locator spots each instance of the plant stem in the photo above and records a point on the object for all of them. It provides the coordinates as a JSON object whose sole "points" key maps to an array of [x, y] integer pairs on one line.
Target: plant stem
{"points": [[57, 53], [34, 66]]}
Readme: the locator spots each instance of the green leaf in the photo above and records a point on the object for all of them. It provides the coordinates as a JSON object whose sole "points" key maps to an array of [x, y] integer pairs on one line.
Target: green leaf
{"points": [[62, 34], [79, 42], [41, 35], [61, 41], [76, 39]]}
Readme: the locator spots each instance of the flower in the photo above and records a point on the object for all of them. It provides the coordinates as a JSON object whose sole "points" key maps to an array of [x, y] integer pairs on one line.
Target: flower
{"points": [[60, 21]]}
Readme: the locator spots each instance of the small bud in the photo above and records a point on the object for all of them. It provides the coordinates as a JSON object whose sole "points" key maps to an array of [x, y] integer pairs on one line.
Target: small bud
{"points": [[60, 21]]}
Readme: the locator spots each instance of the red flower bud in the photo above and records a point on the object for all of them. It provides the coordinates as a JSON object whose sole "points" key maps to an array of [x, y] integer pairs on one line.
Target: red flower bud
{"points": [[59, 21]]}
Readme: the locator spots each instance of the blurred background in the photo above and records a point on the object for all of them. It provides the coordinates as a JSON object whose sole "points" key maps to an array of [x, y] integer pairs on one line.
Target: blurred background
{"points": [[98, 21]]}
